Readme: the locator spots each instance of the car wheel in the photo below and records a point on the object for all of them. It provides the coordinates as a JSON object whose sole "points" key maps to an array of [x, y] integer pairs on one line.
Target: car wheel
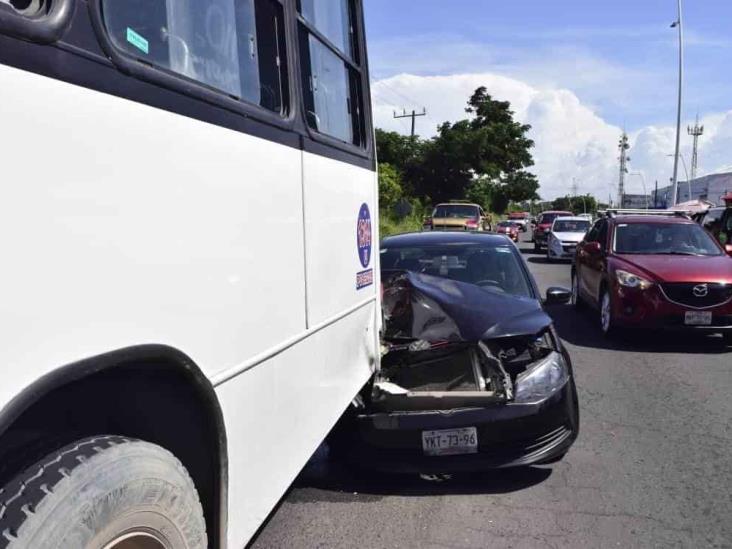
{"points": [[607, 324], [108, 492], [537, 247], [727, 336]]}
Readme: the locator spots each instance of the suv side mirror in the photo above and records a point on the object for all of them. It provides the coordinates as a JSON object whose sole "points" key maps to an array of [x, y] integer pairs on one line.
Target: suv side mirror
{"points": [[593, 248], [728, 249], [558, 296]]}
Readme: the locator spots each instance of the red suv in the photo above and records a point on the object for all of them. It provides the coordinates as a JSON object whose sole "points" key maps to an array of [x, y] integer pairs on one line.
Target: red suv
{"points": [[655, 271], [544, 226]]}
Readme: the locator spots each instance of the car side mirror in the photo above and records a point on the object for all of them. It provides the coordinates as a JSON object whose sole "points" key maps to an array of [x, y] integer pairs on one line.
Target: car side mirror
{"points": [[593, 248], [558, 296], [728, 249]]}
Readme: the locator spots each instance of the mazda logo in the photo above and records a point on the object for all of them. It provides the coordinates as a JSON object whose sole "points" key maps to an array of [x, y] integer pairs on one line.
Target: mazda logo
{"points": [[702, 290]]}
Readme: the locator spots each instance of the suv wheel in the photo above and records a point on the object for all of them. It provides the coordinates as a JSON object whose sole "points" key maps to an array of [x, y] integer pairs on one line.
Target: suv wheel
{"points": [[607, 324], [108, 492], [576, 299]]}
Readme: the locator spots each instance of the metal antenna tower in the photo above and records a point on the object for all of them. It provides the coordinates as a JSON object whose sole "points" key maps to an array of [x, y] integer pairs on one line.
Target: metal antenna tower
{"points": [[696, 132], [623, 145]]}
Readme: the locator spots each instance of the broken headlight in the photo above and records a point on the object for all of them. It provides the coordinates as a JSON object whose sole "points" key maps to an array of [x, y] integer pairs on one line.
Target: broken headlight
{"points": [[542, 380]]}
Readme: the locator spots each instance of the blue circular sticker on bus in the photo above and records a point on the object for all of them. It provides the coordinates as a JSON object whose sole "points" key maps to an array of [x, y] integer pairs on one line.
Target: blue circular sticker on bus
{"points": [[363, 235]]}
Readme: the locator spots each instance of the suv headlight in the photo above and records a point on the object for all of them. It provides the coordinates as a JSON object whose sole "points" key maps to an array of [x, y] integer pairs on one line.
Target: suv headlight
{"points": [[630, 280], [543, 380]]}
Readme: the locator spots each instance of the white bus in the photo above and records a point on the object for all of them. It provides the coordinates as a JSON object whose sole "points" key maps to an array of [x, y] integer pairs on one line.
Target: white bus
{"points": [[188, 272]]}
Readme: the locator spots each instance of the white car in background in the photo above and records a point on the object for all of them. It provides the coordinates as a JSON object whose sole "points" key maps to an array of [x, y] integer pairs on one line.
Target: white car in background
{"points": [[565, 234]]}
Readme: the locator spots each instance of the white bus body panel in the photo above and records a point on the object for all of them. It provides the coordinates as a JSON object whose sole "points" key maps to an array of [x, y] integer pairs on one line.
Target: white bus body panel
{"points": [[334, 193], [122, 225]]}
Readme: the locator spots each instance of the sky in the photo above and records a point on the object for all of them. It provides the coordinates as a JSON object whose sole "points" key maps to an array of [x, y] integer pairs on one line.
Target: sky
{"points": [[578, 71]]}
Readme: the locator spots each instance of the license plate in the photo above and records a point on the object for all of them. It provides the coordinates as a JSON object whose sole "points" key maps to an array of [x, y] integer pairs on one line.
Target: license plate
{"points": [[698, 318], [450, 442]]}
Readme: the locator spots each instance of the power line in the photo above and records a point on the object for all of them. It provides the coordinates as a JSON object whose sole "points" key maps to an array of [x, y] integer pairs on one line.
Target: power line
{"points": [[413, 115]]}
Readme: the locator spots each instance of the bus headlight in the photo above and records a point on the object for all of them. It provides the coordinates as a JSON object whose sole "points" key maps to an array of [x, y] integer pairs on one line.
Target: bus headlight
{"points": [[542, 380]]}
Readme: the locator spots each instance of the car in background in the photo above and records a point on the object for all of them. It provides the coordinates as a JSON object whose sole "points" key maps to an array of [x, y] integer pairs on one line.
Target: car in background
{"points": [[510, 228], [457, 216], [565, 234], [474, 375], [521, 218], [544, 225], [654, 271]]}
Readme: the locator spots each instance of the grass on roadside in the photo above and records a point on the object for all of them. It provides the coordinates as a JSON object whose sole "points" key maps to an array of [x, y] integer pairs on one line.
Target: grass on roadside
{"points": [[389, 226]]}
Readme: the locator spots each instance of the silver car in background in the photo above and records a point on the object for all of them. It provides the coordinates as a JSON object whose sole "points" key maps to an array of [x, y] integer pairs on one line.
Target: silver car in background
{"points": [[565, 234]]}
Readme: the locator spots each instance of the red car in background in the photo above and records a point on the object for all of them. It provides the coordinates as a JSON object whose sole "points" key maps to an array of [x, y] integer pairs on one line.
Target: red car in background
{"points": [[510, 229], [654, 271], [544, 226]]}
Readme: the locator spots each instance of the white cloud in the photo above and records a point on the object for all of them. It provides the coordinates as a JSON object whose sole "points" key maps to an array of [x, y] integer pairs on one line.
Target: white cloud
{"points": [[572, 140]]}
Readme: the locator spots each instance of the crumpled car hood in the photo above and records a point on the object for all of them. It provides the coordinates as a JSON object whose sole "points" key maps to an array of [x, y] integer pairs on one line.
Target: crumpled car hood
{"points": [[434, 309]]}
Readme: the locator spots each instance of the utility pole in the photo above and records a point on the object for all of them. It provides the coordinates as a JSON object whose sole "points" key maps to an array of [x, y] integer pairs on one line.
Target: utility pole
{"points": [[624, 159], [696, 132], [655, 196], [413, 115]]}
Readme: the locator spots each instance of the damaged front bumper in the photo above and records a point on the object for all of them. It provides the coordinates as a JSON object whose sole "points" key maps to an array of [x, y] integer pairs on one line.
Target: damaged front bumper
{"points": [[509, 435]]}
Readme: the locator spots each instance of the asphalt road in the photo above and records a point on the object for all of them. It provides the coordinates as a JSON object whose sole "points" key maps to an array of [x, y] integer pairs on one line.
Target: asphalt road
{"points": [[652, 466]]}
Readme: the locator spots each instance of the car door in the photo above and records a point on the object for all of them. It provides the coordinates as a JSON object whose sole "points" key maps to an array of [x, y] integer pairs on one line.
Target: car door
{"points": [[590, 261]]}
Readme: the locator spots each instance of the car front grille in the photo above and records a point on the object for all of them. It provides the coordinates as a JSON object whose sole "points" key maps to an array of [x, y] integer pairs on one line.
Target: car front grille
{"points": [[696, 295]]}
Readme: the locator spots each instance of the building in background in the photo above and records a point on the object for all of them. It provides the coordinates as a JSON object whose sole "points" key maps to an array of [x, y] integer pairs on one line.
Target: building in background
{"points": [[710, 187], [637, 201]]}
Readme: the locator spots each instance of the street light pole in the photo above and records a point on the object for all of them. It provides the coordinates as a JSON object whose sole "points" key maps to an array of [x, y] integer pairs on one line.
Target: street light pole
{"points": [[678, 24], [686, 171]]}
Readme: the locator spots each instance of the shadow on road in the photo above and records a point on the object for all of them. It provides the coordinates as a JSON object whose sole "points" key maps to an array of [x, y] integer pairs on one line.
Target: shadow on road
{"points": [[338, 480], [581, 328]]}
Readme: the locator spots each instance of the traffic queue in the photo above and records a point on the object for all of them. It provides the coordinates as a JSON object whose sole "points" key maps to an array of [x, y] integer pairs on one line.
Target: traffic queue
{"points": [[647, 269]]}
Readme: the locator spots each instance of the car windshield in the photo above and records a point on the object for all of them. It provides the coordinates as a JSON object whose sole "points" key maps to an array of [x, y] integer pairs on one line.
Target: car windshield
{"points": [[506, 224], [495, 268], [664, 238], [575, 226], [456, 212]]}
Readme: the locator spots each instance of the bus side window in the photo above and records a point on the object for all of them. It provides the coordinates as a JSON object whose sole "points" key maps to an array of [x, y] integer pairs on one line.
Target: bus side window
{"points": [[331, 78], [235, 46]]}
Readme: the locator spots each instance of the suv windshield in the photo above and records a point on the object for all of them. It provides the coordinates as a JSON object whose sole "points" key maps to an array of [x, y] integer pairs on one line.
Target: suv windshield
{"points": [[457, 211], [495, 268], [571, 226], [667, 239]]}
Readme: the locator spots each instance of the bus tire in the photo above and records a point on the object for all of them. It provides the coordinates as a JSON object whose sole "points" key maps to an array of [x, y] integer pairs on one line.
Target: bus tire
{"points": [[106, 492]]}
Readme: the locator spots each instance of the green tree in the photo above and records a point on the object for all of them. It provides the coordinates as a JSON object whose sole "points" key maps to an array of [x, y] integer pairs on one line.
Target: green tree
{"points": [[490, 145], [483, 158], [390, 187]]}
